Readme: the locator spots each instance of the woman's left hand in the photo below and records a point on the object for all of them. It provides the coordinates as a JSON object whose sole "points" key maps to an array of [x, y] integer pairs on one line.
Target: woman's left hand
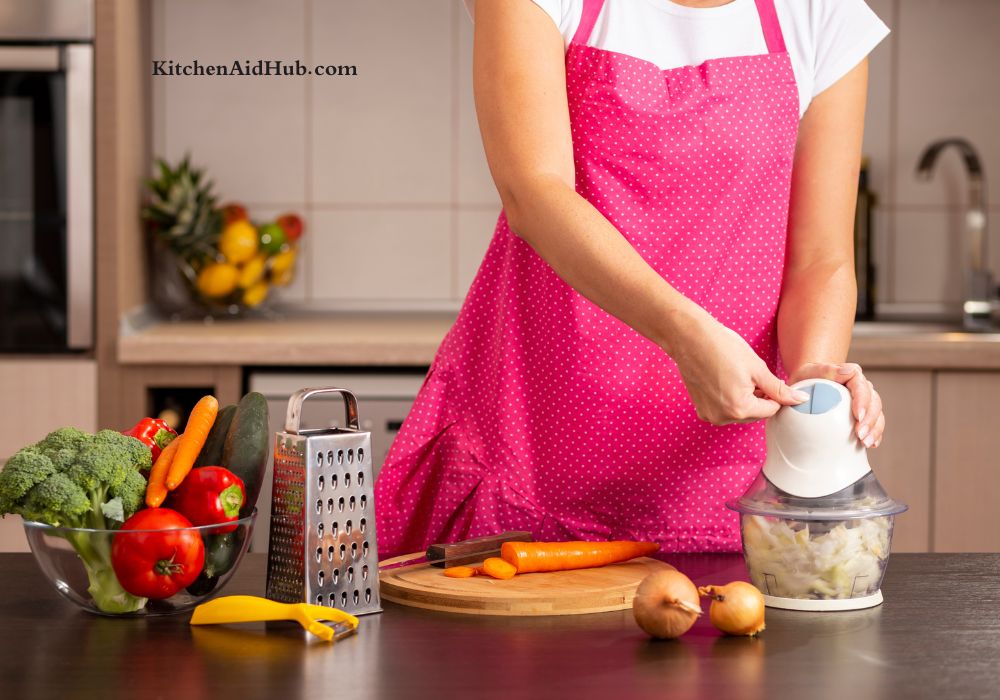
{"points": [[866, 403]]}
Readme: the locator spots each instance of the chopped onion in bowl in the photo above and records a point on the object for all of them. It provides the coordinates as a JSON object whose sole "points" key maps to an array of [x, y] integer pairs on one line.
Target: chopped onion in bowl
{"points": [[816, 559]]}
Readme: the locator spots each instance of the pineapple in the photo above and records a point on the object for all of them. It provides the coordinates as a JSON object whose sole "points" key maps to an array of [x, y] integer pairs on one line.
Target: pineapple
{"points": [[182, 212]]}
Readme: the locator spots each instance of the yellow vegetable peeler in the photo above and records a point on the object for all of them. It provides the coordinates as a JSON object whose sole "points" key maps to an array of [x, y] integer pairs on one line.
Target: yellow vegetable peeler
{"points": [[248, 608]]}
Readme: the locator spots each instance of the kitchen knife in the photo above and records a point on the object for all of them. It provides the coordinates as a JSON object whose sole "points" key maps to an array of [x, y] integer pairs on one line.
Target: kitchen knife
{"points": [[458, 553]]}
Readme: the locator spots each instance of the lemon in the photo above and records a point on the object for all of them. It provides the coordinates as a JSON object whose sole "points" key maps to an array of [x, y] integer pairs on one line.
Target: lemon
{"points": [[283, 262], [255, 294], [252, 271], [238, 241], [217, 280]]}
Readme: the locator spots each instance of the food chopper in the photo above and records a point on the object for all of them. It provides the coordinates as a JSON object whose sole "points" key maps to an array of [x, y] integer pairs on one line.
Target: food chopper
{"points": [[816, 523]]}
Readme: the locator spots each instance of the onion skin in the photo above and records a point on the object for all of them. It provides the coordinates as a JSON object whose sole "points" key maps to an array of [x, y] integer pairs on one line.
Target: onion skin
{"points": [[666, 604], [737, 608]]}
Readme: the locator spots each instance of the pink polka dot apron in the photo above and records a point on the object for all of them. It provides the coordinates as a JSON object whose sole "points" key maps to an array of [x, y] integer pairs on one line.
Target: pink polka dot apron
{"points": [[542, 412]]}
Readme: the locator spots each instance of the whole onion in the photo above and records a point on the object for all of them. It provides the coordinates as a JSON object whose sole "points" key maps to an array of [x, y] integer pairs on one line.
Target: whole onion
{"points": [[666, 604]]}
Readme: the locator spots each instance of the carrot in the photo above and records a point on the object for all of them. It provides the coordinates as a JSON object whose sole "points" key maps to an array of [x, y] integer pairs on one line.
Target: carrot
{"points": [[156, 489], [460, 572], [498, 568], [196, 431], [530, 557]]}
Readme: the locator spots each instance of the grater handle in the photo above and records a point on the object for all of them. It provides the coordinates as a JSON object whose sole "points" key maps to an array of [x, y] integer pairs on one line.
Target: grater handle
{"points": [[294, 413]]}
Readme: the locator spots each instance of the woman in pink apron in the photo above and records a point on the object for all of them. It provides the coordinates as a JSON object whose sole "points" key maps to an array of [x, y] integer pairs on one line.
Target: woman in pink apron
{"points": [[608, 372]]}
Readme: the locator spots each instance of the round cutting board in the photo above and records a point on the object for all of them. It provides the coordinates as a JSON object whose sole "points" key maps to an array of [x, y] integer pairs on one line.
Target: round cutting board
{"points": [[576, 592]]}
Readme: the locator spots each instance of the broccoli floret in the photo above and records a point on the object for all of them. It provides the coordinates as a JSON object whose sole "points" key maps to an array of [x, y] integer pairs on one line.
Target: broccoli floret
{"points": [[26, 468], [76, 480]]}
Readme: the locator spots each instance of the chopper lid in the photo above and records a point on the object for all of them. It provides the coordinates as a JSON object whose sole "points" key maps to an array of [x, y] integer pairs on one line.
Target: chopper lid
{"points": [[865, 498]]}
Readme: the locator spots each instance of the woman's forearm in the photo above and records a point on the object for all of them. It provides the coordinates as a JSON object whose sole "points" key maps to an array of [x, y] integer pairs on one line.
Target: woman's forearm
{"points": [[816, 314], [592, 256]]}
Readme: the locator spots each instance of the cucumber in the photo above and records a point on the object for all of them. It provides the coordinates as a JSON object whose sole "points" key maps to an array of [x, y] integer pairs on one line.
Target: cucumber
{"points": [[245, 449], [211, 453]]}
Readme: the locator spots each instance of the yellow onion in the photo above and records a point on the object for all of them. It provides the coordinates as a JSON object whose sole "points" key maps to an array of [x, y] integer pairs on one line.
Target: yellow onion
{"points": [[666, 604], [737, 608]]}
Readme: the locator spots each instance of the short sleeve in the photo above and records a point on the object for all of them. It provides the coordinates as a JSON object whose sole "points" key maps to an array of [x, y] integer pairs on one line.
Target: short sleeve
{"points": [[846, 32], [553, 8]]}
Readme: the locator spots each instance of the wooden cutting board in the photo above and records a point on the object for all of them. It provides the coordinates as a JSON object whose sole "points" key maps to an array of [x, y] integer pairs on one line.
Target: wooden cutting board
{"points": [[576, 592]]}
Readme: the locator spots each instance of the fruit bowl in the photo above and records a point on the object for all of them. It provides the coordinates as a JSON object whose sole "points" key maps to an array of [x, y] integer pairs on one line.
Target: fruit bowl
{"points": [[96, 585]]}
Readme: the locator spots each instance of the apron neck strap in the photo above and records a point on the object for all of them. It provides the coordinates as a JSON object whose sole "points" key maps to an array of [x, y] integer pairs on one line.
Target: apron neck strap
{"points": [[591, 9], [772, 28]]}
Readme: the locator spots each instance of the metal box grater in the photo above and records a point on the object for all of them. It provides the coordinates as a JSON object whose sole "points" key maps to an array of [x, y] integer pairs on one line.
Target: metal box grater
{"points": [[322, 546]]}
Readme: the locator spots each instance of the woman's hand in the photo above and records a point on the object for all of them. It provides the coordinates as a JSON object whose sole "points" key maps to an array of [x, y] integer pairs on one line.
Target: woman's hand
{"points": [[727, 381], [866, 404]]}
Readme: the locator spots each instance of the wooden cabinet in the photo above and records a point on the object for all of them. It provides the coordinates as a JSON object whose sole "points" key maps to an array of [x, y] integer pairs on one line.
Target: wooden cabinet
{"points": [[966, 476], [903, 460]]}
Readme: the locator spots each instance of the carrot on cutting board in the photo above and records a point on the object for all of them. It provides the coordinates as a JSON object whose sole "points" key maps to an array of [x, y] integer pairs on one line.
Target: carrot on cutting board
{"points": [[196, 431], [156, 489], [532, 557], [460, 572]]}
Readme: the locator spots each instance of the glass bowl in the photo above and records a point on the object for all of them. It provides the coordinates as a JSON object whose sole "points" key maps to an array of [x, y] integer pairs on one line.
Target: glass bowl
{"points": [[817, 560], [78, 563]]}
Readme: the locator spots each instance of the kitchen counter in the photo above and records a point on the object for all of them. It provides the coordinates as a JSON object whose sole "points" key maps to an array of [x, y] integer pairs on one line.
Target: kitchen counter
{"points": [[937, 636], [383, 339]]}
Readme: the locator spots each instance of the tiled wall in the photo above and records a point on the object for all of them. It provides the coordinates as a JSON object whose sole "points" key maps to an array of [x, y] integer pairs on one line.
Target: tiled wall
{"points": [[388, 167]]}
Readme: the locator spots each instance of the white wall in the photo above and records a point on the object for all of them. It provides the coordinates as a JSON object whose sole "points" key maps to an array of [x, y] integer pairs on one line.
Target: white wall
{"points": [[388, 167]]}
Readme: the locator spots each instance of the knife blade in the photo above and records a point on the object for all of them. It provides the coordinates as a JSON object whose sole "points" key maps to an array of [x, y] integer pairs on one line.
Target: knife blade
{"points": [[448, 554]]}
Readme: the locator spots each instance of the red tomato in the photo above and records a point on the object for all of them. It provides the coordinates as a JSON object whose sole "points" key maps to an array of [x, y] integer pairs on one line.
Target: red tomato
{"points": [[292, 225], [210, 495], [158, 559]]}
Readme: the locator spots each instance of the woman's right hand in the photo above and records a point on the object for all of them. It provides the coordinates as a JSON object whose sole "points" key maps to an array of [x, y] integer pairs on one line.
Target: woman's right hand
{"points": [[726, 380]]}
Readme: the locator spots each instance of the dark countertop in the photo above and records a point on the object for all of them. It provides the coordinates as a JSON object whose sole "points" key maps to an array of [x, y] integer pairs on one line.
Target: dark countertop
{"points": [[936, 636]]}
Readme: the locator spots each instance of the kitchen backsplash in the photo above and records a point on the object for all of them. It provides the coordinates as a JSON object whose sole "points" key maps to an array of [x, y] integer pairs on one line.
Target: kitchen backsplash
{"points": [[388, 166]]}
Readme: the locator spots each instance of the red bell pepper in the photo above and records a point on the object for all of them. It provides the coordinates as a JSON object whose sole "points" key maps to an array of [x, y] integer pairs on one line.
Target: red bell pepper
{"points": [[210, 495], [154, 433]]}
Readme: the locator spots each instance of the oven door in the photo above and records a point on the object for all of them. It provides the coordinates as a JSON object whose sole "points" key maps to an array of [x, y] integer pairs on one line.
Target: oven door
{"points": [[46, 198]]}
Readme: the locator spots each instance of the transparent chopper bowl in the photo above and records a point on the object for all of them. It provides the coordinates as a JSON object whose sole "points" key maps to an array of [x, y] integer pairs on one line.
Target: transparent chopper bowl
{"points": [[834, 547]]}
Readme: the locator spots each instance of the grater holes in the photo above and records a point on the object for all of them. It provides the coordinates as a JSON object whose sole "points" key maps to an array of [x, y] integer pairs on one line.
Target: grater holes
{"points": [[350, 456], [361, 455], [363, 524], [319, 530], [348, 527], [333, 481], [329, 505], [334, 527], [364, 572], [364, 549], [319, 554], [350, 574], [368, 595], [319, 459], [356, 596], [336, 580], [364, 502], [361, 478], [352, 502], [343, 598], [321, 578], [329, 457], [343, 551], [340, 503], [319, 599], [319, 506], [320, 482], [354, 550], [329, 553], [347, 480], [340, 456]]}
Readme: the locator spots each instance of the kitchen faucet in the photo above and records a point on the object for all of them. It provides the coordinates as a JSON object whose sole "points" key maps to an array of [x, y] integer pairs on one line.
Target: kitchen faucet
{"points": [[979, 291]]}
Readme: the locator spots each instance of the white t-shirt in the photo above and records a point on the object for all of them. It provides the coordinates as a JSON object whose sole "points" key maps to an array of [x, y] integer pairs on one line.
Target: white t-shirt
{"points": [[825, 38]]}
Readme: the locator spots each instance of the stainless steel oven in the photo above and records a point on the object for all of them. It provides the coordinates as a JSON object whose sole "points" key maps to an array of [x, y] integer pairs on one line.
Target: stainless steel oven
{"points": [[46, 175]]}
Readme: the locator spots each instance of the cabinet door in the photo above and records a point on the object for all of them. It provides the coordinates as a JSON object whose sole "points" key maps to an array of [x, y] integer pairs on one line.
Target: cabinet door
{"points": [[37, 396], [903, 460], [967, 474]]}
